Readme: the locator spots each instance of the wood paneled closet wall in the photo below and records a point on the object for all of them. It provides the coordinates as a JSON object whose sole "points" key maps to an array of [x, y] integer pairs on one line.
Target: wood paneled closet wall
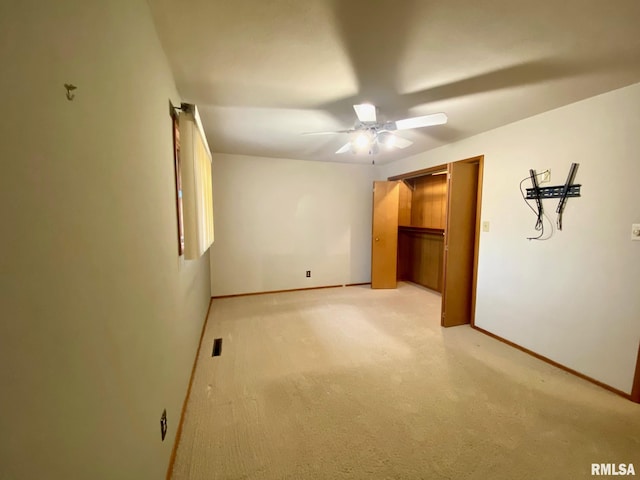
{"points": [[422, 219], [425, 230]]}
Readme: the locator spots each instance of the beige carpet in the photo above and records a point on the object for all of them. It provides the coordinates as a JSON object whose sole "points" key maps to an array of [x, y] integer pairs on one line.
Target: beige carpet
{"points": [[354, 383]]}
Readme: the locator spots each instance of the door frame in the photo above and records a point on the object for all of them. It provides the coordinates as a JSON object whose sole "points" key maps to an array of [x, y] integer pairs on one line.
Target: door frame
{"points": [[479, 159]]}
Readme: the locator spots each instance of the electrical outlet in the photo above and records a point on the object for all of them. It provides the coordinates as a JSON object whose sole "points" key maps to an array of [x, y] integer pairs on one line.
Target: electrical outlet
{"points": [[163, 424], [635, 231], [308, 273], [545, 177], [485, 226]]}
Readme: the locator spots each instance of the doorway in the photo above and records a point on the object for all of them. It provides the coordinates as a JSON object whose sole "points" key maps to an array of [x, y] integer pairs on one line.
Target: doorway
{"points": [[426, 227]]}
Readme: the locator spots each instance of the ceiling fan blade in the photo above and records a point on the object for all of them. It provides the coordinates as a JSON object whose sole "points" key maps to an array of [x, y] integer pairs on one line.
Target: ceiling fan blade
{"points": [[365, 112], [329, 133], [400, 142], [391, 141], [345, 148], [423, 121]]}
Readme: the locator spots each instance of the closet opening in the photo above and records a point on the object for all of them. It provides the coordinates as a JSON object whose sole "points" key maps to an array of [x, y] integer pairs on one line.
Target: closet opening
{"points": [[426, 227]]}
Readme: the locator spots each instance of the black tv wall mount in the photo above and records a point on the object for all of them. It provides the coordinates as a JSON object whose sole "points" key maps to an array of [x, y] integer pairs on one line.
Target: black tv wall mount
{"points": [[553, 192], [569, 189]]}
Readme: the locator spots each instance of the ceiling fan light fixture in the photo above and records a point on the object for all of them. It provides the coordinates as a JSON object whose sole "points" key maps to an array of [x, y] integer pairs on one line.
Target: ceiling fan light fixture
{"points": [[370, 135], [362, 141]]}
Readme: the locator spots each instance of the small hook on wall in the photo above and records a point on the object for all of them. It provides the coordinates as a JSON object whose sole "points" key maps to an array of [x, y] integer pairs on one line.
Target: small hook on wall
{"points": [[70, 88]]}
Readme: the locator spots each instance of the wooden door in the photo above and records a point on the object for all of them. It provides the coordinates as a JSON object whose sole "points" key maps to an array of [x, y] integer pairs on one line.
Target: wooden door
{"points": [[459, 243], [384, 238]]}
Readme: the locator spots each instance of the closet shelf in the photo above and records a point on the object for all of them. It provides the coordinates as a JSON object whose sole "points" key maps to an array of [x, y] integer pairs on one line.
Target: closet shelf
{"points": [[433, 231]]}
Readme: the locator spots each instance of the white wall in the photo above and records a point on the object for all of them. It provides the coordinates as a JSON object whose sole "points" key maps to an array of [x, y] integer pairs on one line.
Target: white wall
{"points": [[277, 218], [100, 318], [574, 298]]}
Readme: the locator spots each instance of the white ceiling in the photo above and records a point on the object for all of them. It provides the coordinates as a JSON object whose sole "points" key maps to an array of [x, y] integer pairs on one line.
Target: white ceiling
{"points": [[264, 71]]}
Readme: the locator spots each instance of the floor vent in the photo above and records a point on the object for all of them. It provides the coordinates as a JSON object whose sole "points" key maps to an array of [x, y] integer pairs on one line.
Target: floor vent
{"points": [[217, 347]]}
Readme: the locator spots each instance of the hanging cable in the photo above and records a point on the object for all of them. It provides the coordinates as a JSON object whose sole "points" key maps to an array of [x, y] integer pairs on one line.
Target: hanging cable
{"points": [[540, 215]]}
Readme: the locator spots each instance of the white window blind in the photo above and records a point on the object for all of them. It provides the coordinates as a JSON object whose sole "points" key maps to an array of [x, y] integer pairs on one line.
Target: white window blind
{"points": [[197, 196]]}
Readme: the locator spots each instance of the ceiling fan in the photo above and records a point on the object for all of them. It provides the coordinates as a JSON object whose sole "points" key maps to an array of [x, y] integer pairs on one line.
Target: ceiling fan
{"points": [[368, 134]]}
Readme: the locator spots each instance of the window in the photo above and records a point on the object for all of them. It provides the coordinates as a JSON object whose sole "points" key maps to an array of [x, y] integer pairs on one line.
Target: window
{"points": [[197, 194]]}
